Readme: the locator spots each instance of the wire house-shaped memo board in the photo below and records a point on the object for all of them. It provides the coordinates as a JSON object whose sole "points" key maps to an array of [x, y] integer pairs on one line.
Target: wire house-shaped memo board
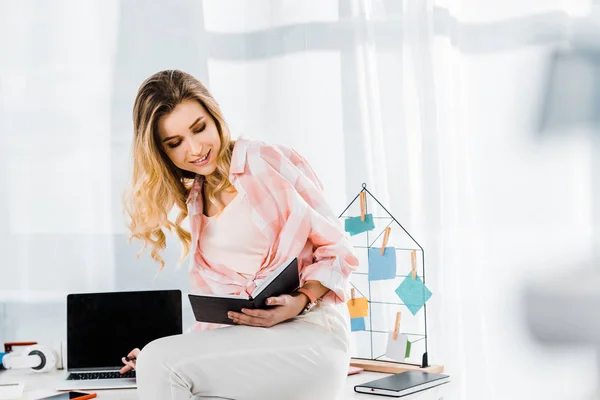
{"points": [[370, 342]]}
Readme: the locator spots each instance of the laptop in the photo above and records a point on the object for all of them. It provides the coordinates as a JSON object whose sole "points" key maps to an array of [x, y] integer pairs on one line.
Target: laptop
{"points": [[104, 327]]}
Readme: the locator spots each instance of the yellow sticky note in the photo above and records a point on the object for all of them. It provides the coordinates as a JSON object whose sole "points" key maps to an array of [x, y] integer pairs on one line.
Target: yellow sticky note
{"points": [[359, 307]]}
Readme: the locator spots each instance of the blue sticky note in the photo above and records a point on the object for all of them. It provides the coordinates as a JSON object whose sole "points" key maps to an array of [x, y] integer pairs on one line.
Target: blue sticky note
{"points": [[357, 324], [382, 267], [354, 225], [413, 293]]}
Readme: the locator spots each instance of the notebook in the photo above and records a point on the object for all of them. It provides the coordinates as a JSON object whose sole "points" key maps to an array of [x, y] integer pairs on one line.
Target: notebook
{"points": [[402, 384], [214, 308]]}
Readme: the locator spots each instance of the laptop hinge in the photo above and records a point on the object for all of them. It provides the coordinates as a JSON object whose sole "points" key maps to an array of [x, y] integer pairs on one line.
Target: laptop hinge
{"points": [[83, 370]]}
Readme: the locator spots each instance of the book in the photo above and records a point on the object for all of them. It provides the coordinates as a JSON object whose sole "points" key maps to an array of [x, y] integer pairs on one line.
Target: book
{"points": [[213, 308], [402, 384]]}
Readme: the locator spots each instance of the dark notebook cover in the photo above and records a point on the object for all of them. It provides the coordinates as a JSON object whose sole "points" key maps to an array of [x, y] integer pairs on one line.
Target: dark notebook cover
{"points": [[403, 381], [214, 308]]}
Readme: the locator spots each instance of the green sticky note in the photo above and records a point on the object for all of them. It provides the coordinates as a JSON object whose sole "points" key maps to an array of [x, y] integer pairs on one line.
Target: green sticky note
{"points": [[408, 346], [354, 225]]}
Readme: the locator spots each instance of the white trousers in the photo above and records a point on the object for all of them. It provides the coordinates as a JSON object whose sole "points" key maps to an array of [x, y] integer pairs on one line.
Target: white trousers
{"points": [[304, 358]]}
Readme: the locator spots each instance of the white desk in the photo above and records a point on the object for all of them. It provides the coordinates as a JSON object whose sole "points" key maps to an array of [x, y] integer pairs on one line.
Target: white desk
{"points": [[40, 385]]}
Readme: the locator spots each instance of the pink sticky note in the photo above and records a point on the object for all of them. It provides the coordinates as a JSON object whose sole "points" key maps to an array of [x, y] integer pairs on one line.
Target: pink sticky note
{"points": [[354, 370]]}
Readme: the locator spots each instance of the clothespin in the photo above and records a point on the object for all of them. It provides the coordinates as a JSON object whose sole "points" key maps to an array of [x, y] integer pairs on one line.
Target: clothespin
{"points": [[396, 326], [352, 295], [413, 259], [363, 206], [386, 237]]}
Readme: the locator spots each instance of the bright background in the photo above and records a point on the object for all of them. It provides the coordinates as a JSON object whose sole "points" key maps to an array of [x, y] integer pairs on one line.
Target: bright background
{"points": [[433, 103]]}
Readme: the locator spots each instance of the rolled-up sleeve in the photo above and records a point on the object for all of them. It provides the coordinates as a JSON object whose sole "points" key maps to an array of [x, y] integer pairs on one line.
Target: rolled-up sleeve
{"points": [[333, 264]]}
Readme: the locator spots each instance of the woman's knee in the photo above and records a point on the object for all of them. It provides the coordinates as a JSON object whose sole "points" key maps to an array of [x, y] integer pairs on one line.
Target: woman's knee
{"points": [[152, 356], [157, 377]]}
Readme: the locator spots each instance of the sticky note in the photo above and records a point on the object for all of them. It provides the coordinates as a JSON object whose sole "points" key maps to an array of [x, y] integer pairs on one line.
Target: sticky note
{"points": [[382, 267], [359, 307], [413, 293], [357, 324], [354, 225], [396, 349]]}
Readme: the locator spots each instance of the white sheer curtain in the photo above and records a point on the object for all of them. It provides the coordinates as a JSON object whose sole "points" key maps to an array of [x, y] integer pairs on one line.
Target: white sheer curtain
{"points": [[56, 71], [432, 103]]}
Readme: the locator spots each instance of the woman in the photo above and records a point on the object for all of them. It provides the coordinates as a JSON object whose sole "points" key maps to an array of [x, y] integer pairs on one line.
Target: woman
{"points": [[251, 206]]}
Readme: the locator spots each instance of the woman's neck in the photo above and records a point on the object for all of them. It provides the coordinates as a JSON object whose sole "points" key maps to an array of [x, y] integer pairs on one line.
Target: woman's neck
{"points": [[208, 186], [223, 198]]}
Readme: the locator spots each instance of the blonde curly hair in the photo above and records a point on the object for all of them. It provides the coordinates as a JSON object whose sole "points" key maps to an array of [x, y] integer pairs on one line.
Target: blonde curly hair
{"points": [[157, 184]]}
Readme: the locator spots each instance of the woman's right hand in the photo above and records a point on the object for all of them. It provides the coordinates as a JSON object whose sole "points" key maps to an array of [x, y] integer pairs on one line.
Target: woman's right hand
{"points": [[129, 365]]}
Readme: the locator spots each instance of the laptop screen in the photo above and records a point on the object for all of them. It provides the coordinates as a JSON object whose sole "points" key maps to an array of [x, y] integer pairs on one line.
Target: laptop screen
{"points": [[104, 327]]}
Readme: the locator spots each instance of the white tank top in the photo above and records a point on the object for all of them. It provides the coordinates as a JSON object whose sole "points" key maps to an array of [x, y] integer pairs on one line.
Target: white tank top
{"points": [[233, 240]]}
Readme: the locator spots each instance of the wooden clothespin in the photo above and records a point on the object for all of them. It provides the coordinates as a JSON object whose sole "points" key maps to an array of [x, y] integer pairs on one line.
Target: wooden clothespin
{"points": [[363, 206], [413, 259], [352, 295], [396, 326], [386, 237]]}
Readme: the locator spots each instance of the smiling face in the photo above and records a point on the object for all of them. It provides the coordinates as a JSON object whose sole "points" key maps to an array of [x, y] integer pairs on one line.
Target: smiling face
{"points": [[190, 138]]}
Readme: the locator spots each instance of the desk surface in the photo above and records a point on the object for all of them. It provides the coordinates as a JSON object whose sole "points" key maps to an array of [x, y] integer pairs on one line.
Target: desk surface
{"points": [[38, 385]]}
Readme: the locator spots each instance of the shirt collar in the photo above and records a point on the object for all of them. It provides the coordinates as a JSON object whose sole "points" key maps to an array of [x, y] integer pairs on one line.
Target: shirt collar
{"points": [[238, 157]]}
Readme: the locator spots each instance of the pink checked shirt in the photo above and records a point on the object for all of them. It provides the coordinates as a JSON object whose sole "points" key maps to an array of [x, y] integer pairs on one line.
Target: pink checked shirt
{"points": [[289, 207]]}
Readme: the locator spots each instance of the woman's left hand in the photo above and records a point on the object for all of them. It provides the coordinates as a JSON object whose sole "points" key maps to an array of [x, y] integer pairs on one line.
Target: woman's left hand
{"points": [[287, 307]]}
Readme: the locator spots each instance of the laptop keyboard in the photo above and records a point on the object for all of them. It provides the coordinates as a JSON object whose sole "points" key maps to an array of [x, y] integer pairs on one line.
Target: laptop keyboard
{"points": [[78, 376]]}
